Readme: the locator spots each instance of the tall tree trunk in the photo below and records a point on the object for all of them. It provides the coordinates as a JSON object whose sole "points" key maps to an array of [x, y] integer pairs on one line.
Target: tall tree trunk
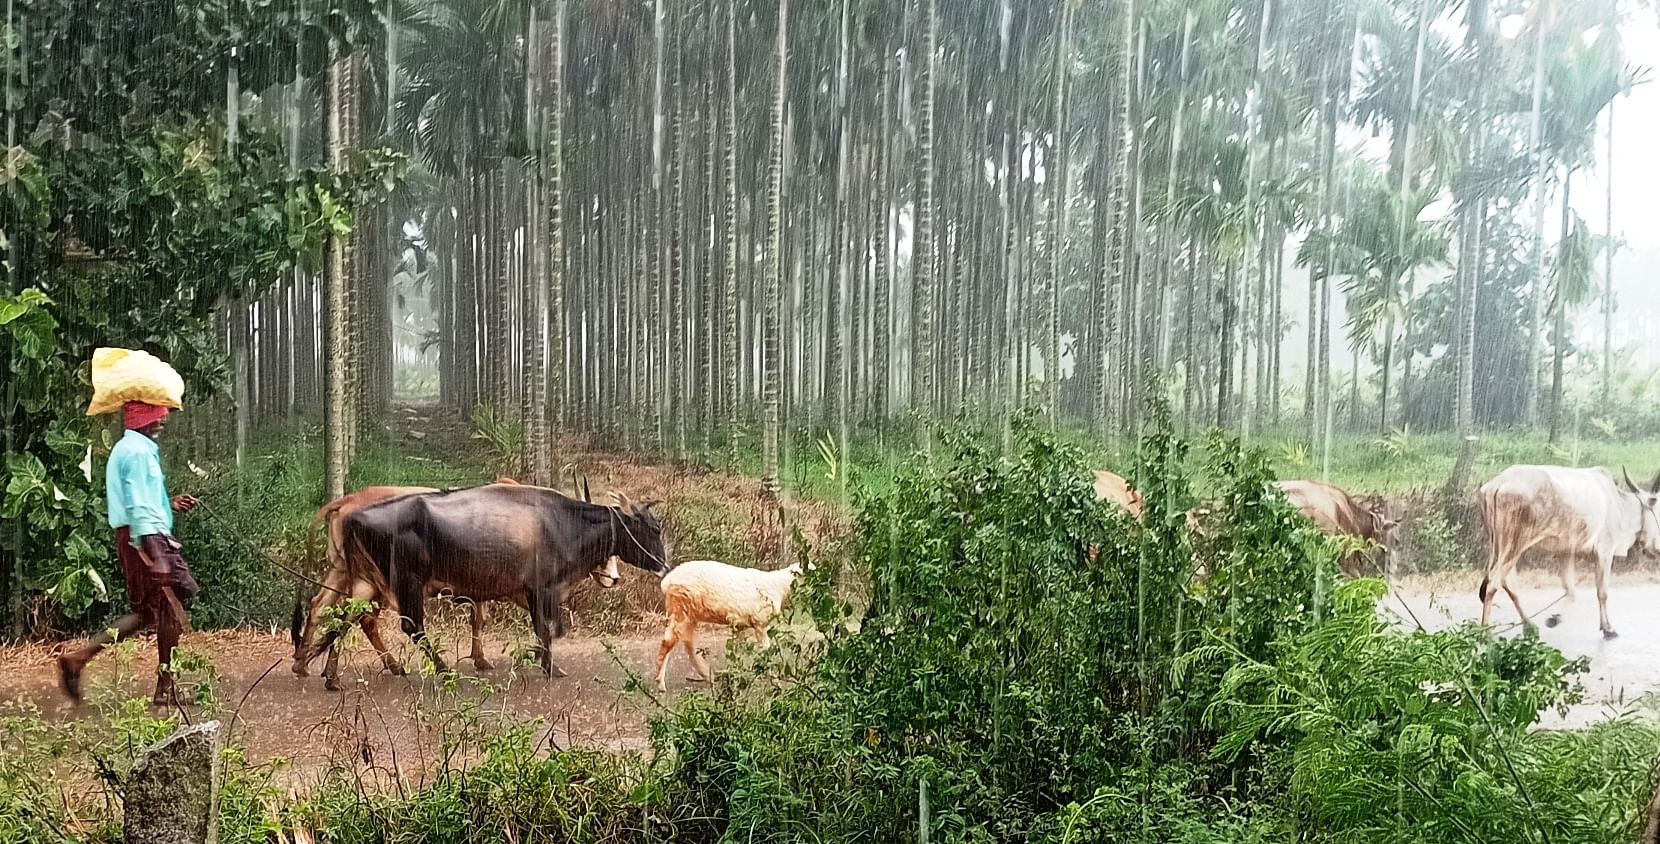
{"points": [[882, 296], [1388, 362], [922, 257], [1608, 270], [737, 360], [1063, 141], [1536, 143], [1559, 310], [336, 425], [772, 358], [836, 366], [676, 367]]}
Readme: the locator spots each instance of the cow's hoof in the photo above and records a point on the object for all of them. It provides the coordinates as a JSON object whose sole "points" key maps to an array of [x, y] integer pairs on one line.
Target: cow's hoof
{"points": [[483, 664], [300, 671], [331, 684], [693, 678], [1610, 634], [397, 670], [554, 672], [1555, 619]]}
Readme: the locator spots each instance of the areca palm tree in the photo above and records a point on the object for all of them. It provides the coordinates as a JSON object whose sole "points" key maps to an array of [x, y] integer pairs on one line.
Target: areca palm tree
{"points": [[459, 115], [772, 358], [1392, 243]]}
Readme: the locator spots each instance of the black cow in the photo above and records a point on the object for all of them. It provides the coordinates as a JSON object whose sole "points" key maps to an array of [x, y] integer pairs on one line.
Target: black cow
{"points": [[500, 542]]}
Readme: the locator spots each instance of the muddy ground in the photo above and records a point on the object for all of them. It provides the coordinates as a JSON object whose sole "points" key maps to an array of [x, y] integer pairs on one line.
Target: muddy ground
{"points": [[380, 722]]}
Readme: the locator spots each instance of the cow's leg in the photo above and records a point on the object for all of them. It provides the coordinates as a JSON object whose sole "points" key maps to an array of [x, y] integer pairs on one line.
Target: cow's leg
{"points": [[1515, 598], [413, 610], [331, 668], [1568, 574], [689, 639], [479, 660], [1604, 572], [371, 629], [671, 637], [1497, 571], [544, 618], [335, 584]]}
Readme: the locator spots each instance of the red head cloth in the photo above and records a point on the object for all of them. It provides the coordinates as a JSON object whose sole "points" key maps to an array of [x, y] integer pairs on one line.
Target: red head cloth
{"points": [[140, 415]]}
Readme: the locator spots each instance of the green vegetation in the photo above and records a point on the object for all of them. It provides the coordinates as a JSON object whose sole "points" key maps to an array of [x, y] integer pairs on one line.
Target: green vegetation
{"points": [[993, 683]]}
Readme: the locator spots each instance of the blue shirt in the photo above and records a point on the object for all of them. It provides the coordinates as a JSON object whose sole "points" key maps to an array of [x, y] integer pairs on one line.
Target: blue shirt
{"points": [[136, 489]]}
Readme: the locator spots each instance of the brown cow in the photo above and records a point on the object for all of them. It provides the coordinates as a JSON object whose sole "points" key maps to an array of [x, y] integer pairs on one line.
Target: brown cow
{"points": [[1336, 513], [339, 584], [1111, 487]]}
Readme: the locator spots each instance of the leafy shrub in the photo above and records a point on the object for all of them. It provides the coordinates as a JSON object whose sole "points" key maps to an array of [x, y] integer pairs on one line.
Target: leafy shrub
{"points": [[999, 665], [1433, 542], [1367, 733]]}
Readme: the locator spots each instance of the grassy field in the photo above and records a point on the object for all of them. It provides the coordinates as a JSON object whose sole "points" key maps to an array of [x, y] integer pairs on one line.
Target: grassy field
{"points": [[1397, 464]]}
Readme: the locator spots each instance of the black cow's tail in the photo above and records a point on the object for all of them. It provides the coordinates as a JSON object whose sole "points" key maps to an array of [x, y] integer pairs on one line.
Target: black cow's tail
{"points": [[296, 621]]}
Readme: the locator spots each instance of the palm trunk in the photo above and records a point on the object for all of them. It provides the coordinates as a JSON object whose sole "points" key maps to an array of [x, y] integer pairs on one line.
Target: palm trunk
{"points": [[922, 259], [1388, 361], [736, 361], [1559, 306], [1530, 395], [335, 428], [772, 359], [1052, 321], [1608, 271]]}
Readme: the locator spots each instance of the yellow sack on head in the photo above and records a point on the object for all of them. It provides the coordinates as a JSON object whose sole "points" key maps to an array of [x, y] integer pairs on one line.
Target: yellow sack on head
{"points": [[123, 375]]}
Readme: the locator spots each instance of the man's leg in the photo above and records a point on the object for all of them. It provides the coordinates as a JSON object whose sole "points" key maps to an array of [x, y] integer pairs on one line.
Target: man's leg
{"points": [[70, 666], [169, 625]]}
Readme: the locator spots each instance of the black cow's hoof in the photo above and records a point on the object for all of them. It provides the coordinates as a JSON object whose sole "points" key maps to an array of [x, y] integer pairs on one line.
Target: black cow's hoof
{"points": [[483, 664], [554, 672], [1610, 634], [397, 670], [331, 684], [1555, 619]]}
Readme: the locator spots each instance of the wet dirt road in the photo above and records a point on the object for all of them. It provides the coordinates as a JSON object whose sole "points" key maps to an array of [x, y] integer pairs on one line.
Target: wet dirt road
{"points": [[1623, 669]]}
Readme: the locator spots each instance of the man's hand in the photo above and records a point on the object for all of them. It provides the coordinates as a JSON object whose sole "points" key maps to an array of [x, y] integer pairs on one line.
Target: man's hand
{"points": [[184, 503]]}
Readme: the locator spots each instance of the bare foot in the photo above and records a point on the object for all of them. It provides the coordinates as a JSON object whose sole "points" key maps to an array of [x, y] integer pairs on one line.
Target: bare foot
{"points": [[69, 677]]}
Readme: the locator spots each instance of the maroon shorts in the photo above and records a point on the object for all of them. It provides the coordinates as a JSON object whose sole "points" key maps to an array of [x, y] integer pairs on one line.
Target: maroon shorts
{"points": [[141, 588]]}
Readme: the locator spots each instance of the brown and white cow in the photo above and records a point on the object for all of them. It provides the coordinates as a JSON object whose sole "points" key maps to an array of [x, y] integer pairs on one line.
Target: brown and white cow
{"points": [[1569, 512], [1113, 487], [1336, 513]]}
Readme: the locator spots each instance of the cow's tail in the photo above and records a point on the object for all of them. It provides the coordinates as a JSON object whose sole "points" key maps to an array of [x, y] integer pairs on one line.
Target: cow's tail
{"points": [[296, 620], [1499, 536], [323, 516]]}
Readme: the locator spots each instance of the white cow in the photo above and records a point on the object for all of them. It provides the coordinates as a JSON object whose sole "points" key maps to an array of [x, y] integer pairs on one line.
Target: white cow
{"points": [[1570, 513]]}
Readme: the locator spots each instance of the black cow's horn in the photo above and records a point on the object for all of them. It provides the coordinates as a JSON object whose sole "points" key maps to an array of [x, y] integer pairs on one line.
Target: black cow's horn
{"points": [[1655, 487], [587, 494], [1627, 474]]}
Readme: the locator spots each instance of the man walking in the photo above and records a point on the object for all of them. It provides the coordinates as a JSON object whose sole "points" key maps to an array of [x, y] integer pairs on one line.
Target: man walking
{"points": [[142, 515]]}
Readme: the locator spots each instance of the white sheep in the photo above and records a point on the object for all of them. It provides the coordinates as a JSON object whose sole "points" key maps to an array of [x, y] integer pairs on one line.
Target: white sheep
{"points": [[706, 592]]}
